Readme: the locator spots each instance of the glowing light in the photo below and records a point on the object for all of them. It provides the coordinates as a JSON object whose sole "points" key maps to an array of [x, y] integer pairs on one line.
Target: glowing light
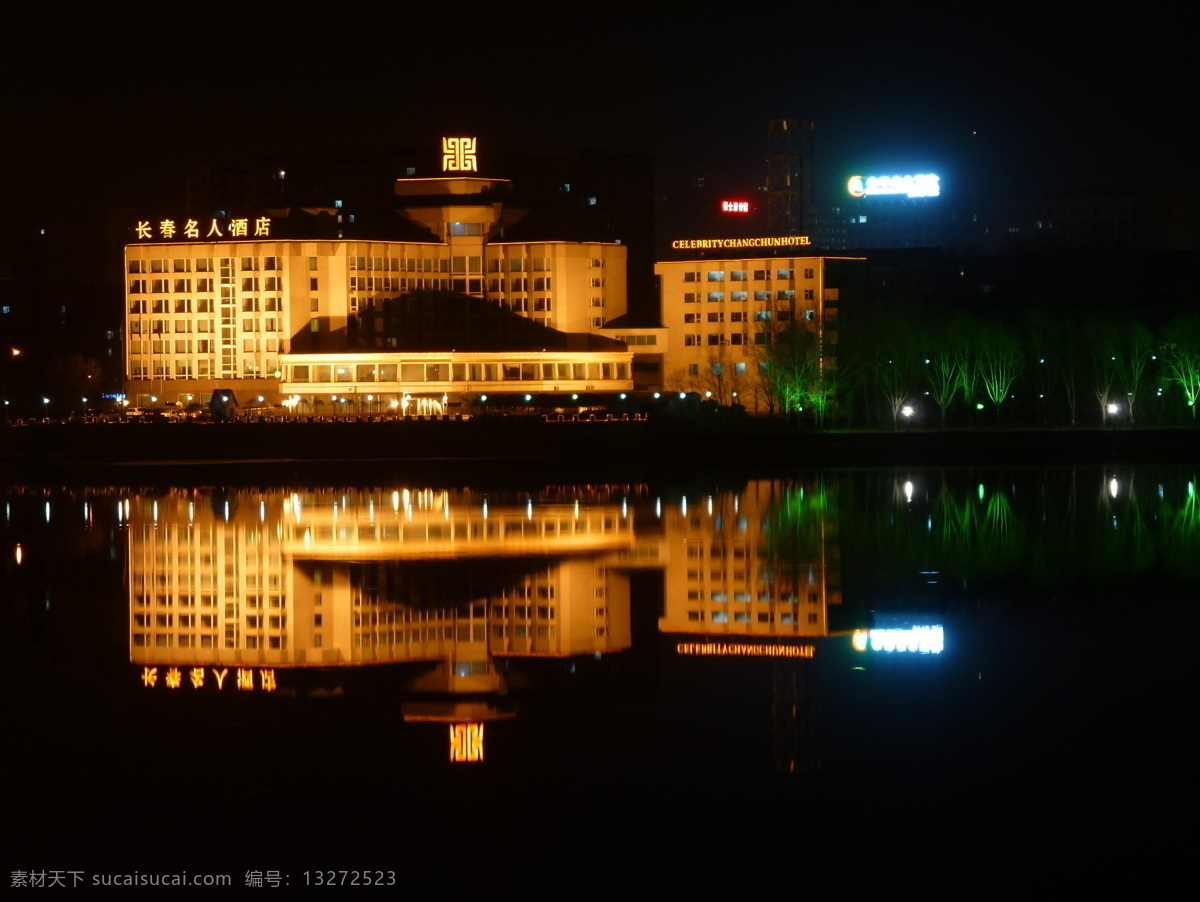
{"points": [[926, 640], [908, 491], [1112, 487], [458, 155], [466, 742], [686, 244], [735, 206], [924, 185], [859, 640]]}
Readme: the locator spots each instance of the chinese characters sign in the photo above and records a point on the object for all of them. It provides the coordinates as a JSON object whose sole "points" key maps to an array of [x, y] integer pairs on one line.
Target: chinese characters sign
{"points": [[735, 206], [241, 679], [458, 155], [171, 229]]}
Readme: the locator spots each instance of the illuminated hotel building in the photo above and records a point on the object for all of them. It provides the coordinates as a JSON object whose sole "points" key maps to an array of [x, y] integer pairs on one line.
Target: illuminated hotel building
{"points": [[225, 303], [720, 314]]}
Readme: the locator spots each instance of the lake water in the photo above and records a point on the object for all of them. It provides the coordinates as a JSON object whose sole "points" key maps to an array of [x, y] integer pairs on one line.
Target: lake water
{"points": [[933, 680]]}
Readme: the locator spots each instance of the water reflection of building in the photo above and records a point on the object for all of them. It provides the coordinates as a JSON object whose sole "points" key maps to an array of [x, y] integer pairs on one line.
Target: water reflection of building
{"points": [[371, 576], [729, 573]]}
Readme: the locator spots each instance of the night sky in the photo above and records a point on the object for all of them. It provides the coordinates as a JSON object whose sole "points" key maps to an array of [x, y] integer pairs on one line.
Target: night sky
{"points": [[118, 105]]}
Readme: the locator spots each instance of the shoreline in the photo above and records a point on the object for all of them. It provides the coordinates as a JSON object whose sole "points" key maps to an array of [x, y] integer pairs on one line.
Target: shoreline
{"points": [[523, 442]]}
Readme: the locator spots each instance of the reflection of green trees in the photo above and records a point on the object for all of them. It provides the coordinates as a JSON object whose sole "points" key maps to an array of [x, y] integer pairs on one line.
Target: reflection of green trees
{"points": [[800, 522], [977, 529], [1048, 527]]}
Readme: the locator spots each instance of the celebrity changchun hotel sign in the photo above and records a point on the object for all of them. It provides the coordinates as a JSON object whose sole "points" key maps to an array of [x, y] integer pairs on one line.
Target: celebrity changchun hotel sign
{"points": [[688, 244]]}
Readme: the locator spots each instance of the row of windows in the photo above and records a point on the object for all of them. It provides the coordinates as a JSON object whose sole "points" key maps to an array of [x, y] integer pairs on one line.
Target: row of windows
{"points": [[200, 346], [457, 372], [742, 316], [187, 326], [208, 621], [201, 369], [717, 338], [540, 283], [783, 294], [249, 283], [205, 264], [746, 617], [202, 305], [741, 275]]}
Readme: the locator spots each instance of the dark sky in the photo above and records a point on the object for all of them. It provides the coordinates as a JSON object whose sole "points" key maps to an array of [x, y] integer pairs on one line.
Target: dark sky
{"points": [[100, 104]]}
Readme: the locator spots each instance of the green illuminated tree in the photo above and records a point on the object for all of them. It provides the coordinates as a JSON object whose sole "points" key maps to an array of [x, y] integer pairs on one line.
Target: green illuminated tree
{"points": [[793, 368], [1181, 364], [945, 362], [999, 362]]}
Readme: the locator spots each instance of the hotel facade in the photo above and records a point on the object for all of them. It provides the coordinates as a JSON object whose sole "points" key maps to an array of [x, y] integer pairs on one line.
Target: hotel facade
{"points": [[224, 304], [720, 315]]}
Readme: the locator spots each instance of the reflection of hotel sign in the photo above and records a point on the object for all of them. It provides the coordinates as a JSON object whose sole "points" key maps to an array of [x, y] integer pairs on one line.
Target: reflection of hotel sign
{"points": [[687, 244], [466, 742], [242, 679], [926, 185], [744, 650], [170, 229], [735, 206], [458, 155]]}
